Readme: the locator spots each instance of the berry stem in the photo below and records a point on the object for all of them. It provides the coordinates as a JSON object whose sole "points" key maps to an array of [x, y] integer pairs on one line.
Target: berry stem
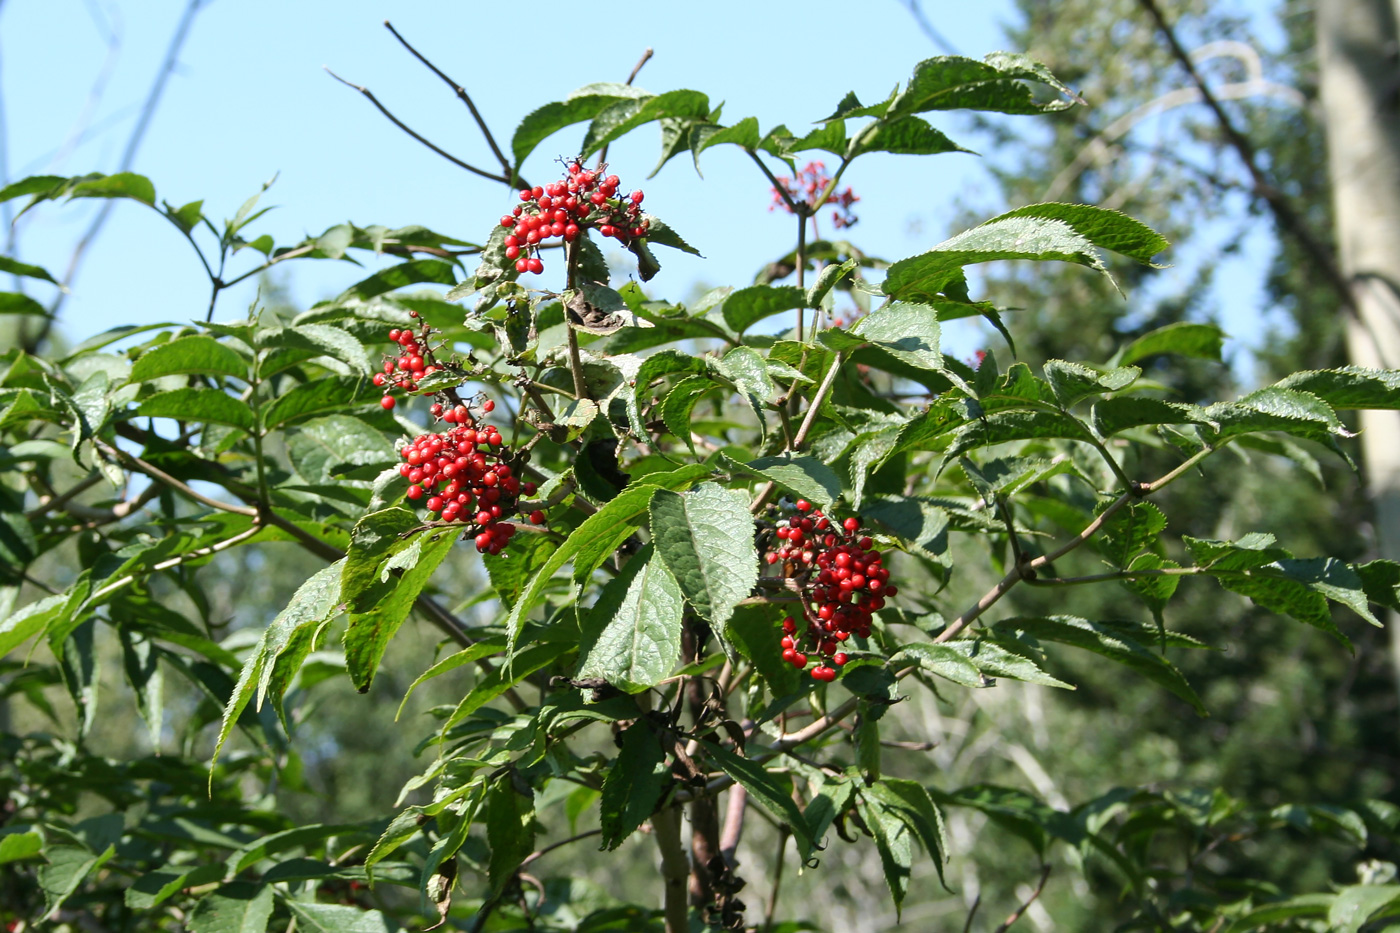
{"points": [[575, 361]]}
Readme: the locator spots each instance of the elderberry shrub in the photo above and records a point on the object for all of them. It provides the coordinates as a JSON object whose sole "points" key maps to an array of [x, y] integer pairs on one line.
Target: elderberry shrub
{"points": [[840, 580], [562, 209], [466, 474]]}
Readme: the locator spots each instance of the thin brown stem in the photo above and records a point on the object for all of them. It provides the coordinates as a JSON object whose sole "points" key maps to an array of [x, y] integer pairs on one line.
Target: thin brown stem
{"points": [[369, 95], [540, 853], [632, 76], [51, 503], [1016, 914], [1284, 213], [777, 185], [575, 360], [156, 473], [461, 92]]}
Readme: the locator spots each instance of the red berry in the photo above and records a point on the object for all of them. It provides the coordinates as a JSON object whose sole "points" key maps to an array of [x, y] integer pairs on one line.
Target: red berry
{"points": [[537, 517], [851, 524], [535, 265], [387, 402]]}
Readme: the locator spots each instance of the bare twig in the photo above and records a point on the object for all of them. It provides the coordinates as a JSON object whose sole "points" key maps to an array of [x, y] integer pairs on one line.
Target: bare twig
{"points": [[506, 168], [1288, 218], [369, 95], [916, 10], [540, 853], [1016, 914], [133, 143], [972, 912], [184, 489], [636, 69]]}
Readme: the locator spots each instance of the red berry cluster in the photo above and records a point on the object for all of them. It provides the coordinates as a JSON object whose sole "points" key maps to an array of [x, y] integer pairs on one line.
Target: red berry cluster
{"points": [[842, 582], [811, 181], [564, 208], [415, 360], [464, 475]]}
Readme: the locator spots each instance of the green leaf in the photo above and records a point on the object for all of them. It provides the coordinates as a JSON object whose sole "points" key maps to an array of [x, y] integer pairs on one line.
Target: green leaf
{"points": [[597, 538], [765, 789], [512, 569], [1004, 660], [1357, 903], [911, 801], [622, 117], [338, 918], [155, 887], [67, 866], [1273, 409], [705, 538], [1301, 588], [1110, 642], [482, 649], [908, 332], [1304, 905], [680, 402], [16, 847], [754, 632], [915, 520], [951, 82], [744, 134], [521, 665], [803, 475], [634, 783], [315, 602], [313, 340], [121, 185], [1073, 382], [1112, 415], [510, 830], [1007, 426], [1198, 340], [659, 233], [369, 631], [907, 135], [1129, 531], [239, 907], [141, 661], [832, 275], [316, 397], [549, 119], [34, 184], [1060, 232], [15, 267], [747, 306], [322, 448], [202, 405], [1106, 229], [632, 635], [413, 272], [16, 303], [1350, 387], [941, 659], [196, 353], [894, 842]]}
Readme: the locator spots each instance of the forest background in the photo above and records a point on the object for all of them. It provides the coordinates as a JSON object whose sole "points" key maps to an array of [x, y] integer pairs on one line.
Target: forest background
{"points": [[241, 99]]}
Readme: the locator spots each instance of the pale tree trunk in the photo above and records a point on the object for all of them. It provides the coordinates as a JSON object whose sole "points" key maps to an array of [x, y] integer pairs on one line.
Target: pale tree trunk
{"points": [[1357, 43]]}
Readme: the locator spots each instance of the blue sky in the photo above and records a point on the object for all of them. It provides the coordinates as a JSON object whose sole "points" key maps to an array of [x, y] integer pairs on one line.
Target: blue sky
{"points": [[250, 100]]}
